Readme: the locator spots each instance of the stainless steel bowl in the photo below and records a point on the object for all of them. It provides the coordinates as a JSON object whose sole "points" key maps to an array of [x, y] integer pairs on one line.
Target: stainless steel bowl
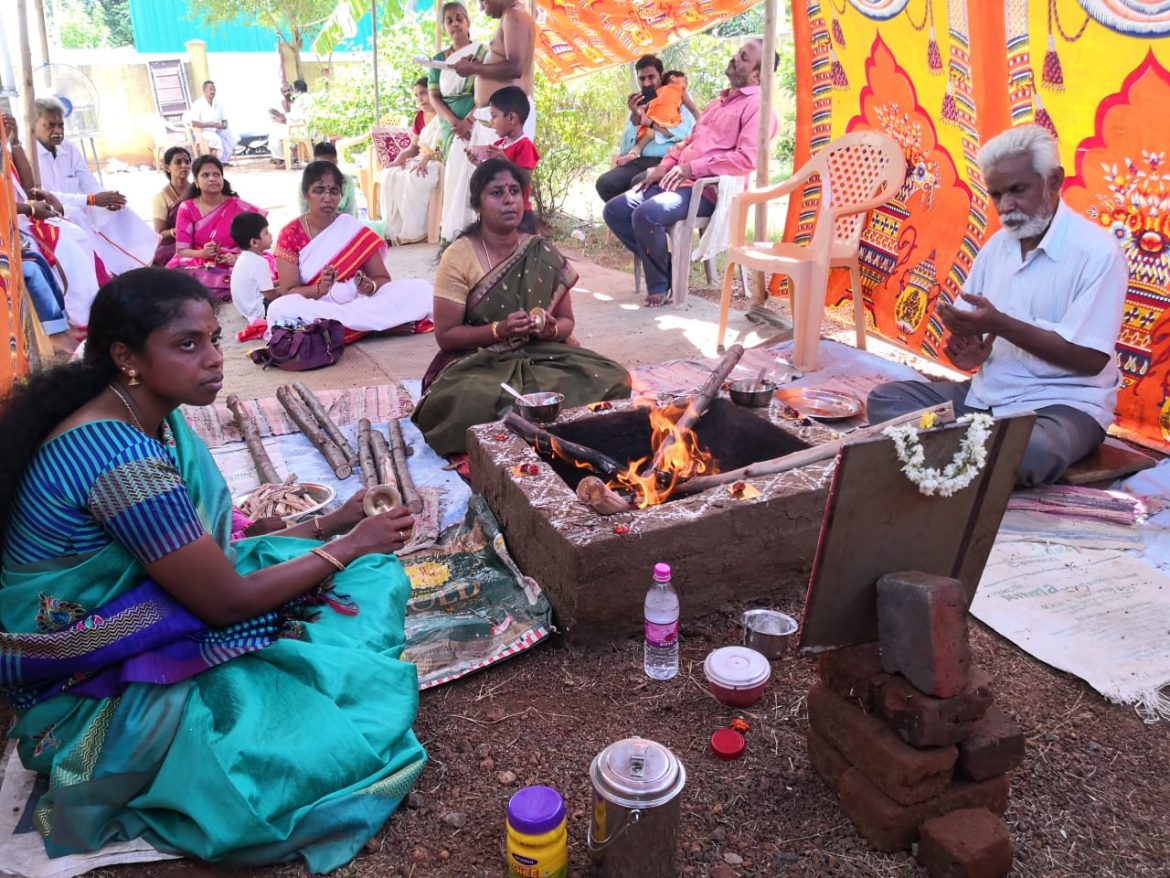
{"points": [[541, 408], [751, 393], [768, 632]]}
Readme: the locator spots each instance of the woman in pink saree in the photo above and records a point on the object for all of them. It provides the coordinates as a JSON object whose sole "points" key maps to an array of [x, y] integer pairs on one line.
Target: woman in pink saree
{"points": [[203, 244]]}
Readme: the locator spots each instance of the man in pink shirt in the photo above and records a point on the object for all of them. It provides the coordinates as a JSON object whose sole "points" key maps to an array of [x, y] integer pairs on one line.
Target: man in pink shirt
{"points": [[722, 142]]}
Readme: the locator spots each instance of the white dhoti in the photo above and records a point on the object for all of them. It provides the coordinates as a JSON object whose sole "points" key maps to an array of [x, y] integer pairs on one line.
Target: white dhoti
{"points": [[75, 256], [405, 200], [119, 237], [395, 303], [220, 141]]}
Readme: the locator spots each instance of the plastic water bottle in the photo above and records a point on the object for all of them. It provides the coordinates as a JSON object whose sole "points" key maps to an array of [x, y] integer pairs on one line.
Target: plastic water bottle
{"points": [[660, 652]]}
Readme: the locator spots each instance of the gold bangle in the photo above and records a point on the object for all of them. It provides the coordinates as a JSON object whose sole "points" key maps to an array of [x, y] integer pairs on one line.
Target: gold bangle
{"points": [[321, 553], [496, 330]]}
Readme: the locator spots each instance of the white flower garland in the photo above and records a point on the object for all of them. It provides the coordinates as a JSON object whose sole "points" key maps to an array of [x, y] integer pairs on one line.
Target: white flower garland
{"points": [[967, 463]]}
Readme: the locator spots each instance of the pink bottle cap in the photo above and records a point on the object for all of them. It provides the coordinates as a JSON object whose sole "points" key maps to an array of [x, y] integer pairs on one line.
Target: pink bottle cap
{"points": [[662, 572]]}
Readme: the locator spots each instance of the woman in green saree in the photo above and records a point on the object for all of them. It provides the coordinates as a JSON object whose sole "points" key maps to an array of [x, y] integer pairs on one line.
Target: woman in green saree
{"points": [[489, 281], [242, 703], [453, 97]]}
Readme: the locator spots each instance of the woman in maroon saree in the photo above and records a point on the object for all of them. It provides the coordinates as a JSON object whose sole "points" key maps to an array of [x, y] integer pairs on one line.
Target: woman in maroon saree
{"points": [[203, 243], [177, 167]]}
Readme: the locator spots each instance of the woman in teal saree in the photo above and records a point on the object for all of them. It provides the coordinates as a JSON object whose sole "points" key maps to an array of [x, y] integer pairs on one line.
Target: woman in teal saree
{"points": [[242, 703], [489, 281]]}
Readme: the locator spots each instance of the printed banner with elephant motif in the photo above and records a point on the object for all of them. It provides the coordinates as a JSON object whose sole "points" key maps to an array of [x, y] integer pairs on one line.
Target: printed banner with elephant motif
{"points": [[942, 76]]}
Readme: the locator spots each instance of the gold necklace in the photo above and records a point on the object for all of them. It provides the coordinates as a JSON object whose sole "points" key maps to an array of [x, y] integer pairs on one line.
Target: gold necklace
{"points": [[486, 255], [129, 408]]}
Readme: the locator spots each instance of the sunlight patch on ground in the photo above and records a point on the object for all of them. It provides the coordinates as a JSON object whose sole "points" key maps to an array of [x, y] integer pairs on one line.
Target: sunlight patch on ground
{"points": [[702, 333]]}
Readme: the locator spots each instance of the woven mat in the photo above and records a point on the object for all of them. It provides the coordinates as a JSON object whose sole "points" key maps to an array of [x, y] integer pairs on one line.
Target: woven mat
{"points": [[216, 425]]}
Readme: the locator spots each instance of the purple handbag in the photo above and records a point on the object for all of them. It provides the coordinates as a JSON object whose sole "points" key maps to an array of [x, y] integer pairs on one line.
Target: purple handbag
{"points": [[307, 346]]}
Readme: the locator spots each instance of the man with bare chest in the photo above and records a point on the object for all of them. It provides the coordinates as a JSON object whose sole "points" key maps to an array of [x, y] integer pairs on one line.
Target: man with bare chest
{"points": [[509, 62]]}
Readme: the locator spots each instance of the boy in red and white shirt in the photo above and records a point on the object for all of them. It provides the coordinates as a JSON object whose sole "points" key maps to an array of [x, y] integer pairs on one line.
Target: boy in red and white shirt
{"points": [[509, 110]]}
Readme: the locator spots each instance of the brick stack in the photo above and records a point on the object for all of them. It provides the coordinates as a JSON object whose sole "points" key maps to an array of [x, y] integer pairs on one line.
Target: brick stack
{"points": [[906, 734]]}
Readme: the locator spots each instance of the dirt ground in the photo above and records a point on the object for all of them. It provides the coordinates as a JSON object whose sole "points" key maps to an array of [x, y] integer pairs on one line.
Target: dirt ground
{"points": [[1090, 800]]}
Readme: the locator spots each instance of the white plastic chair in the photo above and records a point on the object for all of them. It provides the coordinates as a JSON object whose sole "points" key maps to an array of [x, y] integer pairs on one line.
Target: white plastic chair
{"points": [[681, 236], [858, 172]]}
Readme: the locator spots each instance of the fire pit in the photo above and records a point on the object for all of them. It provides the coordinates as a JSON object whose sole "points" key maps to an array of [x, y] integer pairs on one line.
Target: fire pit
{"points": [[728, 543]]}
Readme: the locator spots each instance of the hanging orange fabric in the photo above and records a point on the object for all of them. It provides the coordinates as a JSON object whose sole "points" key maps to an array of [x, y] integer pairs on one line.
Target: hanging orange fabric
{"points": [[941, 77]]}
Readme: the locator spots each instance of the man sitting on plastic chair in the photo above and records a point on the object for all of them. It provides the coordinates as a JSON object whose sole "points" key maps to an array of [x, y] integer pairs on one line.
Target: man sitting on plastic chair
{"points": [[722, 142]]}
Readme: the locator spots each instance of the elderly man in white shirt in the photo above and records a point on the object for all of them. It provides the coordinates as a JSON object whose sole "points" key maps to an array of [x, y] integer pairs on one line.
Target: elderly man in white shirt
{"points": [[119, 237], [1039, 315], [208, 119]]}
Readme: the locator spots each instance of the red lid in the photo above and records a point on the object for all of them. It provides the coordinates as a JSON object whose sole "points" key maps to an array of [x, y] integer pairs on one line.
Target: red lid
{"points": [[727, 744]]}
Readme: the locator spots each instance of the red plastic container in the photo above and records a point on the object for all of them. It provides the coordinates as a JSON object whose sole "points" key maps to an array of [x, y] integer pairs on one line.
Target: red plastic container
{"points": [[736, 675]]}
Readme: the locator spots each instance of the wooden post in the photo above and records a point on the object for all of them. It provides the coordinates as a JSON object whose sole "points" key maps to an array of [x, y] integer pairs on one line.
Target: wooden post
{"points": [[764, 144], [377, 92], [42, 29], [439, 26], [26, 70]]}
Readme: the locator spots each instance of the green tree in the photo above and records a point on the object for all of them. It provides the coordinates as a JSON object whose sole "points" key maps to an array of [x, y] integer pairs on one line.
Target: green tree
{"points": [[76, 24], [117, 17], [290, 20]]}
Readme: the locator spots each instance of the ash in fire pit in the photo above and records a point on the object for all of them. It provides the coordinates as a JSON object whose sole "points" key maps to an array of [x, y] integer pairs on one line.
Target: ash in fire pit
{"points": [[733, 437]]}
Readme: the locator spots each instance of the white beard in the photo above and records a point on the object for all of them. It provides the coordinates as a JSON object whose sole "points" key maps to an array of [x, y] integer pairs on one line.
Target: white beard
{"points": [[1029, 227]]}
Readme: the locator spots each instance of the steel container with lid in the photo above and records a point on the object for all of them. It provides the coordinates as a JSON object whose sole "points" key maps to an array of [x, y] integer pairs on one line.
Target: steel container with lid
{"points": [[634, 828]]}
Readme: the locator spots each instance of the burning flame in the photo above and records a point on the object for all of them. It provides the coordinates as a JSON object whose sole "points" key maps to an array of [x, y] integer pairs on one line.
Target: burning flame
{"points": [[675, 457]]}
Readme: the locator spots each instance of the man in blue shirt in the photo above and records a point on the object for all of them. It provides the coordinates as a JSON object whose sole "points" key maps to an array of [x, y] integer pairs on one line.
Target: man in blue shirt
{"points": [[619, 178]]}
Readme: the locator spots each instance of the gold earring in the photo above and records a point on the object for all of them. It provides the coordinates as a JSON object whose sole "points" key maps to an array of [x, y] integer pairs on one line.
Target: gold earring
{"points": [[132, 374]]}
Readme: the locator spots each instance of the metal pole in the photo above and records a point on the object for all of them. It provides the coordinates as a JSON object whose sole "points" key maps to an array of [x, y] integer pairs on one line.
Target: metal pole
{"points": [[377, 92], [26, 69], [764, 143], [39, 9]]}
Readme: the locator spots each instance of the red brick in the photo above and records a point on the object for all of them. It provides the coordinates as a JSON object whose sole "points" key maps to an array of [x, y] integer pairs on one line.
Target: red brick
{"points": [[922, 629], [850, 671], [888, 826], [826, 760], [904, 773], [925, 721], [971, 843], [996, 746]]}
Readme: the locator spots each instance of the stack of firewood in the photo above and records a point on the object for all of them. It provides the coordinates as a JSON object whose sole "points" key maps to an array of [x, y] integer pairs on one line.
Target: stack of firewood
{"points": [[382, 460]]}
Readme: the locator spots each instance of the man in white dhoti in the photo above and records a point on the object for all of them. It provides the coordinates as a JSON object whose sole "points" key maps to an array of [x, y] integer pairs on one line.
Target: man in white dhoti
{"points": [[64, 245], [120, 238], [290, 114], [210, 123]]}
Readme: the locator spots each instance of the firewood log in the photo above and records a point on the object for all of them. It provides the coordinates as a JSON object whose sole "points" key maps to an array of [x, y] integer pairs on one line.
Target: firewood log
{"points": [[944, 414], [410, 495], [593, 492], [327, 423], [302, 418], [251, 434]]}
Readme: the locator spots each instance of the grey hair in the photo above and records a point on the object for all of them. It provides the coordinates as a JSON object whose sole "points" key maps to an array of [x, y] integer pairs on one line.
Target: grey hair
{"points": [[48, 105], [1031, 140]]}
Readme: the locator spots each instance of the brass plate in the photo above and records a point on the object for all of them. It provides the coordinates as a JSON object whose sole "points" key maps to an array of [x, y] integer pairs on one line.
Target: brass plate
{"points": [[824, 405]]}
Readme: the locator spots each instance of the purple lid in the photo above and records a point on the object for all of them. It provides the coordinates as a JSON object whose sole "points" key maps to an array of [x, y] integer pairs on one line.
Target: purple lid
{"points": [[536, 810], [662, 572]]}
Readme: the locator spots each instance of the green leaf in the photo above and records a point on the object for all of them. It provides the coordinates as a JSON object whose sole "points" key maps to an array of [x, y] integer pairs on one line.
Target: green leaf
{"points": [[348, 13]]}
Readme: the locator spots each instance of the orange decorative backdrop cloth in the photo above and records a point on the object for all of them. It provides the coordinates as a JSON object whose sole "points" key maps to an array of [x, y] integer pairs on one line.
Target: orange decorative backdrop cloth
{"points": [[18, 324], [582, 36], [941, 76]]}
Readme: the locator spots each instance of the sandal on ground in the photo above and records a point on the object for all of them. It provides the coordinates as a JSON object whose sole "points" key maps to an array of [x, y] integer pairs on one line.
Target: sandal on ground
{"points": [[656, 300]]}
